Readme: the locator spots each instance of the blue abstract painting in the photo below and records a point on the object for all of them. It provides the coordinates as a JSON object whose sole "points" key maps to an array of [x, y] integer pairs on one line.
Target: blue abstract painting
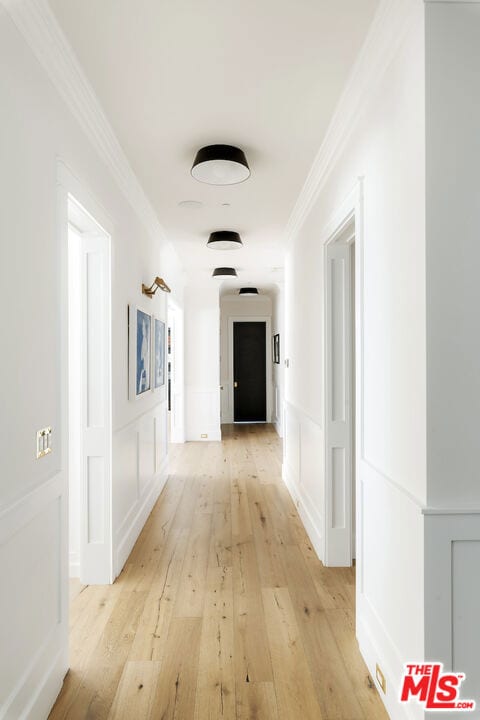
{"points": [[144, 352], [159, 353]]}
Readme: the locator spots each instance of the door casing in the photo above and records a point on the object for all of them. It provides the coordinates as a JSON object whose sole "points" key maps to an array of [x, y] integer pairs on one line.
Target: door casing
{"points": [[340, 387], [268, 355]]}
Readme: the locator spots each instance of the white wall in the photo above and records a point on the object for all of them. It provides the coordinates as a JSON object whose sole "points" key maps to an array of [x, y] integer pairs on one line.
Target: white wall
{"points": [[234, 306], [452, 534], [37, 131], [202, 363], [387, 149]]}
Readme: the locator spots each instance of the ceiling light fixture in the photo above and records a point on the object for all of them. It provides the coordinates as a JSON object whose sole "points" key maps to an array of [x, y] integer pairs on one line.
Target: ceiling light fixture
{"points": [[224, 272], [220, 165], [248, 291], [224, 240]]}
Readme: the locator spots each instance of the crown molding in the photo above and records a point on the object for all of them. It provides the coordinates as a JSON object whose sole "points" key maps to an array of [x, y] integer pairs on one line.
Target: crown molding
{"points": [[42, 32], [382, 43]]}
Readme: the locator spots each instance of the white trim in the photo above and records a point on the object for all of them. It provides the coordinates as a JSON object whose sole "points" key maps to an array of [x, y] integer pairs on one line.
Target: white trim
{"points": [[375, 475], [300, 410], [137, 418], [96, 562], [268, 358], [450, 511], [381, 45], [348, 218]]}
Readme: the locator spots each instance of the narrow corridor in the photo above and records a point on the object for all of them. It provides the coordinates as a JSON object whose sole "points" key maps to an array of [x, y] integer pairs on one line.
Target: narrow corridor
{"points": [[223, 609]]}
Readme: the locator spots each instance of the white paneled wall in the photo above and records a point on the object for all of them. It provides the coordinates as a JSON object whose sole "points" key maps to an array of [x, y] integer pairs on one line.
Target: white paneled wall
{"points": [[32, 601], [303, 471], [452, 559], [139, 474]]}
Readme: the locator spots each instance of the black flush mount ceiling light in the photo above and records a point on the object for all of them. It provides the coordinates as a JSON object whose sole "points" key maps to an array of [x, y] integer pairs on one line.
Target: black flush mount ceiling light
{"points": [[248, 291], [224, 240], [224, 272], [220, 165]]}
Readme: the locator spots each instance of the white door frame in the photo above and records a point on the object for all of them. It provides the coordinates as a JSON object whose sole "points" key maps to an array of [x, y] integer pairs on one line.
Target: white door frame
{"points": [[96, 558], [345, 229], [268, 357]]}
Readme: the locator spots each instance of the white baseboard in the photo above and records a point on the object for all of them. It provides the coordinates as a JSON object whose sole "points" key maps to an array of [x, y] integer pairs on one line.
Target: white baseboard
{"points": [[303, 503], [278, 428], [376, 647], [39, 686], [132, 525]]}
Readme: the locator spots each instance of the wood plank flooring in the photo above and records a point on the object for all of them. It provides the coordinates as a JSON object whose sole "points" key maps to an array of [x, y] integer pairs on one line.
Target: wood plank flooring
{"points": [[223, 610]]}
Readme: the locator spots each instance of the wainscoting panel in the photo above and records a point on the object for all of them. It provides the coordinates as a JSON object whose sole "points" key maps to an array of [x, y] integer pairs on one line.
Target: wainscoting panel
{"points": [[452, 589], [277, 415], [385, 510], [33, 634], [303, 471], [140, 469]]}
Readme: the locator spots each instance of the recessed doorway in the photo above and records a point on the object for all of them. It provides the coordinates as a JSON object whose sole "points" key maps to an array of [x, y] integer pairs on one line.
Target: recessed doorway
{"points": [[89, 398], [250, 371], [340, 425]]}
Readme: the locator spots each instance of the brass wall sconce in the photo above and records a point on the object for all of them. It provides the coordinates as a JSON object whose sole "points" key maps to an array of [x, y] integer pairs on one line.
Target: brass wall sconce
{"points": [[159, 284]]}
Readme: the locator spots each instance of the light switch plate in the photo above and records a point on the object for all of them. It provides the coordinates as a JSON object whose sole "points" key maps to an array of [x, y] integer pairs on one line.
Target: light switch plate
{"points": [[44, 442]]}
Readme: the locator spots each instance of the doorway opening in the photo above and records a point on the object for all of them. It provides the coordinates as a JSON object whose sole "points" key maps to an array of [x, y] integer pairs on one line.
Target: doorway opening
{"points": [[340, 391], [89, 398], [175, 392], [250, 376]]}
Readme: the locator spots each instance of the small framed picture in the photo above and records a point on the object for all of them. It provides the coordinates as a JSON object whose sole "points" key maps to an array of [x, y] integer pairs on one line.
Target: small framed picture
{"points": [[139, 351], [276, 349], [158, 353]]}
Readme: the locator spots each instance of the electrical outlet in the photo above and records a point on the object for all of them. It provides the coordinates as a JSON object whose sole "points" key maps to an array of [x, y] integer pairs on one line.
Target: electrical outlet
{"points": [[44, 442], [381, 679], [204, 436]]}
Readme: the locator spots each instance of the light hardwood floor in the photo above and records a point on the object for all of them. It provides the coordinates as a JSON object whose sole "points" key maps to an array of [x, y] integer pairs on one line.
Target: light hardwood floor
{"points": [[223, 609]]}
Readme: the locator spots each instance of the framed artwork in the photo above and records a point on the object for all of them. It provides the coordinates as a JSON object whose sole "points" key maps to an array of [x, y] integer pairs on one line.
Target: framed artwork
{"points": [[158, 353], [276, 349], [140, 351]]}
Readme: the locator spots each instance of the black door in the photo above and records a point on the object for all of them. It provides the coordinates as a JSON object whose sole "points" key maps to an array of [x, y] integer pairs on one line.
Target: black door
{"points": [[249, 372]]}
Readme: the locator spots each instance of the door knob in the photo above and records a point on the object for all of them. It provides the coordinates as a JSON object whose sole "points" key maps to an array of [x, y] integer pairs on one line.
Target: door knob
{"points": [[235, 384]]}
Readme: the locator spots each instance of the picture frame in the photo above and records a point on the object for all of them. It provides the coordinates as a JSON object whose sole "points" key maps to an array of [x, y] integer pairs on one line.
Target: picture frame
{"points": [[158, 353], [139, 351], [276, 349]]}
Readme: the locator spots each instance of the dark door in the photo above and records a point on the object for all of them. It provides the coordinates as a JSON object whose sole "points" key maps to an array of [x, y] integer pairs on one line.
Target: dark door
{"points": [[249, 372]]}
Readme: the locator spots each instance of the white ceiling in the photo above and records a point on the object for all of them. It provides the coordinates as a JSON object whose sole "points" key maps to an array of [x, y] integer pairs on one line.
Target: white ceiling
{"points": [[261, 74]]}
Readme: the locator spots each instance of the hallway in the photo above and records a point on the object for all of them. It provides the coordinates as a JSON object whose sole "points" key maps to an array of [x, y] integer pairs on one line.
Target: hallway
{"points": [[223, 609]]}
